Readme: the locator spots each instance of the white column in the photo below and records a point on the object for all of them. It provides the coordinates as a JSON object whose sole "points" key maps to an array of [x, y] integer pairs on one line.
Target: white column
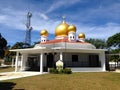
{"points": [[21, 68], [41, 63], [12, 62], [25, 56], [61, 56], [16, 61], [102, 59]]}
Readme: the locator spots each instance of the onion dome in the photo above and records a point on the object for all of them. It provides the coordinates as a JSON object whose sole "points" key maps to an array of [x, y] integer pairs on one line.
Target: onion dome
{"points": [[72, 28], [44, 32], [61, 30], [81, 35]]}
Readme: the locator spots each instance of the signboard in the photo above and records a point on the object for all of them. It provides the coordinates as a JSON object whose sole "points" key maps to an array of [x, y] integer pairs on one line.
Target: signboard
{"points": [[59, 64]]}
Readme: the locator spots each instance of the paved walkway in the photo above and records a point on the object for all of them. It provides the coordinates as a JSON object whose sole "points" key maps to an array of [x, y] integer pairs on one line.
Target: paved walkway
{"points": [[14, 75]]}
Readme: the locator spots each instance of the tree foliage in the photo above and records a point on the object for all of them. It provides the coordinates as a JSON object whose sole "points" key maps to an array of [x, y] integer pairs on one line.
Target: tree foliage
{"points": [[3, 44], [114, 41], [99, 43], [18, 45], [113, 44], [7, 52]]}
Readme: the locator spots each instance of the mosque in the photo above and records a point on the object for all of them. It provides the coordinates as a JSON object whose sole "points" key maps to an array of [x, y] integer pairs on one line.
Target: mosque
{"points": [[76, 54]]}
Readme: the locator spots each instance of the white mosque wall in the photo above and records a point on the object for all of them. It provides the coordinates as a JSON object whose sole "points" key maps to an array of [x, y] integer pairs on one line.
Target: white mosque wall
{"points": [[83, 59], [67, 45], [89, 69], [83, 62]]}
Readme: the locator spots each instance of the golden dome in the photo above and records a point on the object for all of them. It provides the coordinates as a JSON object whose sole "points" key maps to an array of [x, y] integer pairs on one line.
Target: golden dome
{"points": [[81, 35], [44, 32], [71, 28], [62, 29]]}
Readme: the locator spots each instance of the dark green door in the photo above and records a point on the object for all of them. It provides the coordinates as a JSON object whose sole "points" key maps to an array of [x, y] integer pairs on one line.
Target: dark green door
{"points": [[50, 61]]}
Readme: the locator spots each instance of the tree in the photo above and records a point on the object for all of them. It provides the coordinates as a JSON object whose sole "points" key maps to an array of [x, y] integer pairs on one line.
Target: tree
{"points": [[7, 52], [34, 44], [3, 44], [18, 45], [113, 44], [114, 41], [99, 43]]}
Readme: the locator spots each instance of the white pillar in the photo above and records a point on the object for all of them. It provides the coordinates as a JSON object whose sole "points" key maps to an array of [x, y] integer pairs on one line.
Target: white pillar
{"points": [[16, 61], [41, 63], [21, 68], [102, 59], [61, 56], [12, 62], [24, 56]]}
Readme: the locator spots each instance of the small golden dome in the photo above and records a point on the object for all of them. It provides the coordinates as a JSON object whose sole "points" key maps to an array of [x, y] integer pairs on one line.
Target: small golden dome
{"points": [[44, 32], [62, 29], [71, 28], [81, 35]]}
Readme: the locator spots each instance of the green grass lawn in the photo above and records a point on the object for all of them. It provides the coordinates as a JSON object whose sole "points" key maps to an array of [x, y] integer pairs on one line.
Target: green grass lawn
{"points": [[75, 81]]}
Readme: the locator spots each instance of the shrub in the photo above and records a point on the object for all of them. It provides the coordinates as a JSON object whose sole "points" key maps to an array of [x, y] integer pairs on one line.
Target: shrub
{"points": [[61, 71], [67, 71], [56, 71], [51, 70]]}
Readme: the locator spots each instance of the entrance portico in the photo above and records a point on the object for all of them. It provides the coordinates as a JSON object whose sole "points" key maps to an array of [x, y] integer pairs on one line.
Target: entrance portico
{"points": [[23, 54]]}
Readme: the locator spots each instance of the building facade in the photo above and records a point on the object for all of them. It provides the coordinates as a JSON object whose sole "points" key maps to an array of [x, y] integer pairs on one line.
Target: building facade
{"points": [[76, 54]]}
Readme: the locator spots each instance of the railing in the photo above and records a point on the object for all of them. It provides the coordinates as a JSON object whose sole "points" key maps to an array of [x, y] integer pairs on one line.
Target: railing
{"points": [[114, 65]]}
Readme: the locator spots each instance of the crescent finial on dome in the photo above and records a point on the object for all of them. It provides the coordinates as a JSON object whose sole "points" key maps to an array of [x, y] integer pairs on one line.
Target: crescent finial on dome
{"points": [[44, 32], [64, 18]]}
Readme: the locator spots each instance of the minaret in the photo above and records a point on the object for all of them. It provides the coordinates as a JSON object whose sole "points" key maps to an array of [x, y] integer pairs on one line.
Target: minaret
{"points": [[44, 35], [28, 30], [71, 33]]}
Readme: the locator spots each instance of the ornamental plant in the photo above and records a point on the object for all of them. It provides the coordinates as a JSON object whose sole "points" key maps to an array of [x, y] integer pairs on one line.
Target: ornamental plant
{"points": [[60, 71]]}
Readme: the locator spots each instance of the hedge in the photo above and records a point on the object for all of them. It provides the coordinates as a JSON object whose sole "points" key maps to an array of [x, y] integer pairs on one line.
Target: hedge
{"points": [[62, 71]]}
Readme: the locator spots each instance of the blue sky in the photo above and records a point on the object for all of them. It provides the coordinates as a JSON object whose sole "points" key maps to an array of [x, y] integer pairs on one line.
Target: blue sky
{"points": [[96, 18]]}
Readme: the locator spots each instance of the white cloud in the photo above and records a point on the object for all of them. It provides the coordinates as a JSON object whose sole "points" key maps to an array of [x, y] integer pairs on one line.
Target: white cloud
{"points": [[61, 3], [12, 18], [39, 24], [2, 17], [45, 17], [102, 32], [17, 19], [108, 12]]}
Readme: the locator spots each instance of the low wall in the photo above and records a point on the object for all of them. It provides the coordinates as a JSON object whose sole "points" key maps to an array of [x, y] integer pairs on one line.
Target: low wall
{"points": [[76, 69]]}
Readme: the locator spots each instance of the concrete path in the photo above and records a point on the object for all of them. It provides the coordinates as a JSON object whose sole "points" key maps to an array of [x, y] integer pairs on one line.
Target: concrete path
{"points": [[14, 75]]}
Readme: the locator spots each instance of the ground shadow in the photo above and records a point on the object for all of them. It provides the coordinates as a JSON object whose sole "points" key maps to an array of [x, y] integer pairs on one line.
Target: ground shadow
{"points": [[7, 85]]}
